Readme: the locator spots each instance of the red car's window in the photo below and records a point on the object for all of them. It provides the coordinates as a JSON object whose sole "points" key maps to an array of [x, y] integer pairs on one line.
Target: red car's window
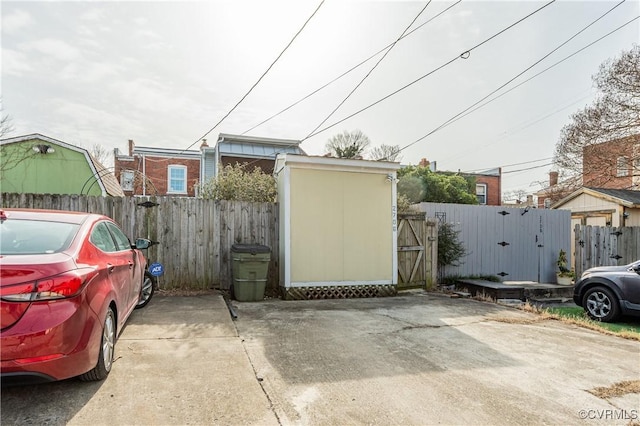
{"points": [[101, 238], [121, 239], [19, 236]]}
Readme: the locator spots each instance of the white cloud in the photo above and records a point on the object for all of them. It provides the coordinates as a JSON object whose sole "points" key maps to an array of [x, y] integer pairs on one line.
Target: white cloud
{"points": [[148, 34], [140, 21], [146, 94], [16, 21], [54, 48], [92, 72], [93, 15], [14, 62]]}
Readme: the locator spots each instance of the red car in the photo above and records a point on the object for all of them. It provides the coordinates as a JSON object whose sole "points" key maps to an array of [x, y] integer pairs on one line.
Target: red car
{"points": [[68, 283]]}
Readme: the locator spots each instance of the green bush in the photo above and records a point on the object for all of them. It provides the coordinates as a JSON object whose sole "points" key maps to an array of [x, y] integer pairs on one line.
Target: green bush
{"points": [[237, 183], [450, 248]]}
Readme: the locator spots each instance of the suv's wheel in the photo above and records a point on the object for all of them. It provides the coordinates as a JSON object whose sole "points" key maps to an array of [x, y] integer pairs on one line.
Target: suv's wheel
{"points": [[601, 304], [105, 355]]}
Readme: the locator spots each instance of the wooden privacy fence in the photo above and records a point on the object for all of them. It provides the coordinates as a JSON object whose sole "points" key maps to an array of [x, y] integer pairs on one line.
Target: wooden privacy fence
{"points": [[417, 251], [195, 235], [605, 246]]}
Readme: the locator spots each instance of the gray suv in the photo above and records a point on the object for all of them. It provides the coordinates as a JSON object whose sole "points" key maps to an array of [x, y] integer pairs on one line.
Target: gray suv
{"points": [[606, 292]]}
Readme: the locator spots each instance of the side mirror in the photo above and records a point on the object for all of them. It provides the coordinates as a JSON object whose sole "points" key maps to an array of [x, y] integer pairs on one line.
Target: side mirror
{"points": [[142, 243]]}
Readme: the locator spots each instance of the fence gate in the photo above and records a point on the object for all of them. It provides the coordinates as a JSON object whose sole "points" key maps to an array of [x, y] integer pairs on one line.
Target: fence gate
{"points": [[417, 251], [605, 246]]}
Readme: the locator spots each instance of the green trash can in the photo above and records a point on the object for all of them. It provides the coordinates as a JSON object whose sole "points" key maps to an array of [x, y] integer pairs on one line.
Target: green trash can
{"points": [[250, 266]]}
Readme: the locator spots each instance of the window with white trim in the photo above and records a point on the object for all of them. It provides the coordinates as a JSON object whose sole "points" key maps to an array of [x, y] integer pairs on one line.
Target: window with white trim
{"points": [[177, 180], [622, 169], [481, 193]]}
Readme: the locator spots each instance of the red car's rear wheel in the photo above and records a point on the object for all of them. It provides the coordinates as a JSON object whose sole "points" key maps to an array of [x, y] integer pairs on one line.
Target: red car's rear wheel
{"points": [[107, 346]]}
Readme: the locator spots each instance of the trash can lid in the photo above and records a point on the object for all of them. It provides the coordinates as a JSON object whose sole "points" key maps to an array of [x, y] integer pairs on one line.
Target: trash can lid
{"points": [[250, 248]]}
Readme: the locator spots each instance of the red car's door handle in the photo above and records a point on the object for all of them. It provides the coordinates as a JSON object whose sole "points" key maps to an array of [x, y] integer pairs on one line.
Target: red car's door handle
{"points": [[110, 267], [130, 265]]}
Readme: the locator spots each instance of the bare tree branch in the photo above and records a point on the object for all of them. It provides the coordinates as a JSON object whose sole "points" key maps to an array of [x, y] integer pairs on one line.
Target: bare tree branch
{"points": [[386, 153], [348, 144], [614, 115]]}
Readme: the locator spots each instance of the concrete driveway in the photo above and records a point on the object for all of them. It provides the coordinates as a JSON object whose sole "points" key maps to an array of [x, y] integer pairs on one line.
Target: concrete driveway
{"points": [[178, 361], [414, 359]]}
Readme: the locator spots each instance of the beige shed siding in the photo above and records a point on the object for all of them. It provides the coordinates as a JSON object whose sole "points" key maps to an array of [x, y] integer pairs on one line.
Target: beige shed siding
{"points": [[283, 189], [586, 202], [328, 245], [634, 217]]}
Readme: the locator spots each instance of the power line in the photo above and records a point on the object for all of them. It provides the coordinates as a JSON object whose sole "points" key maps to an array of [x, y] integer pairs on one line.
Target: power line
{"points": [[528, 168], [509, 165], [371, 70], [261, 77], [541, 72], [491, 100], [517, 129], [463, 55], [512, 79], [349, 70]]}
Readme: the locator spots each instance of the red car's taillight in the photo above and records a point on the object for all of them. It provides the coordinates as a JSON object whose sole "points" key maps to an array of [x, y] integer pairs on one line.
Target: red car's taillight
{"points": [[57, 287]]}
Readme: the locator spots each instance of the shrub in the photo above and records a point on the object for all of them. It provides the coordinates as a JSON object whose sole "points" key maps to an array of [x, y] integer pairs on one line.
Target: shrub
{"points": [[237, 183], [450, 248]]}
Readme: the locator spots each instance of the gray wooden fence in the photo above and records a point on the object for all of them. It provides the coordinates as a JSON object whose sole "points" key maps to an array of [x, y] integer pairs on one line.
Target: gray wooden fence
{"points": [[195, 235], [516, 244], [605, 246]]}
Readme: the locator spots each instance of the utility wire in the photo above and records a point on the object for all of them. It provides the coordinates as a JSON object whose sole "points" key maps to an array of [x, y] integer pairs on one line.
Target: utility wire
{"points": [[516, 130], [349, 70], [371, 70], [259, 79], [512, 79], [508, 165], [463, 55], [541, 72], [528, 168], [520, 84]]}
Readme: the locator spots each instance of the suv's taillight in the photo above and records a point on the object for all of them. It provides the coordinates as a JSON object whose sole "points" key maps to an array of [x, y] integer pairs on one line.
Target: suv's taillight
{"points": [[57, 287]]}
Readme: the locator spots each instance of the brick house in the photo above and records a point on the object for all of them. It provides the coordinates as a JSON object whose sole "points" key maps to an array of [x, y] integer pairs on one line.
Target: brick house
{"points": [[608, 165], [489, 187], [614, 164], [163, 171], [157, 171], [555, 190], [488, 183]]}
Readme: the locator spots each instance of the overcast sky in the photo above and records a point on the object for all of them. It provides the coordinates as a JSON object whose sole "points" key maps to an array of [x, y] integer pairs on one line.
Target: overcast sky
{"points": [[164, 73]]}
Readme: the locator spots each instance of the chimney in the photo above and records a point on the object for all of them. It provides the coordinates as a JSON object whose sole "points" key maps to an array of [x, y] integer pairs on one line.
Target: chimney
{"points": [[553, 178], [204, 145], [131, 146], [530, 200]]}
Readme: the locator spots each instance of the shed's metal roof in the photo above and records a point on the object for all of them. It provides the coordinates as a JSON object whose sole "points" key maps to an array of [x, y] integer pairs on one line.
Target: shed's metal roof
{"points": [[243, 149], [256, 147]]}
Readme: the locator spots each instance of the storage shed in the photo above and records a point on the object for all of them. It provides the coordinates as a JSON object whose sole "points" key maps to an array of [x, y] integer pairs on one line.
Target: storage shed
{"points": [[338, 227]]}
